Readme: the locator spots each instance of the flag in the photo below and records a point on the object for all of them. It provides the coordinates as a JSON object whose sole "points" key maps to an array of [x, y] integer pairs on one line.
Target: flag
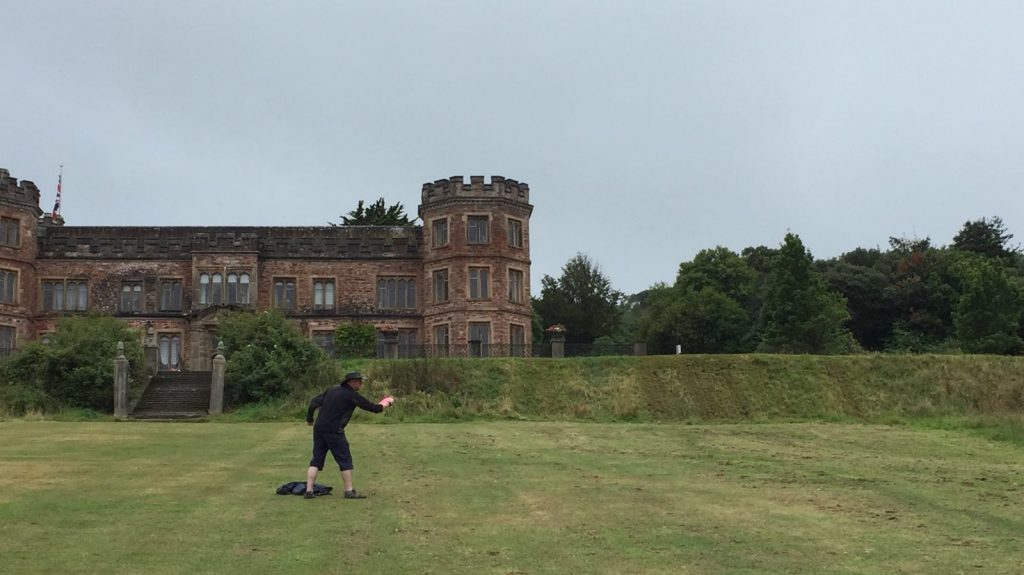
{"points": [[56, 203]]}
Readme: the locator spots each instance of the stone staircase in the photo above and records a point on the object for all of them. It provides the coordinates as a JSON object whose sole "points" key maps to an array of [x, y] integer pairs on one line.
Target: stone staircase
{"points": [[175, 395]]}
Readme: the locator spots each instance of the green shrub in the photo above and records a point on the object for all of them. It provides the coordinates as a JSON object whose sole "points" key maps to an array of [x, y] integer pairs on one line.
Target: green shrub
{"points": [[75, 370], [80, 360], [355, 340], [267, 357]]}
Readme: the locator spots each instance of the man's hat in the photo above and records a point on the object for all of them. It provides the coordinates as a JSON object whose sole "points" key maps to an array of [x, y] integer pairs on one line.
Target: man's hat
{"points": [[352, 375]]}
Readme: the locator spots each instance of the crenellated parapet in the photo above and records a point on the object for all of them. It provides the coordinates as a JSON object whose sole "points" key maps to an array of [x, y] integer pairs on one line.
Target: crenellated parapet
{"points": [[455, 187], [23, 194]]}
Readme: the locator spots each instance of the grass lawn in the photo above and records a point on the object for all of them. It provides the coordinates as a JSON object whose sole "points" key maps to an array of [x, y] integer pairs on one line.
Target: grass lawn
{"points": [[511, 497]]}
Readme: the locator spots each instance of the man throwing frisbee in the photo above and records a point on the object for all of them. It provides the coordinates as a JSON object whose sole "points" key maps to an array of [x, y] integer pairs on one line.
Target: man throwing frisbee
{"points": [[336, 406]]}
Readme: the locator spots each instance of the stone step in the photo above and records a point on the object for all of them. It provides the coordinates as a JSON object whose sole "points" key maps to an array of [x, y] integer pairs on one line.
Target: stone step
{"points": [[175, 396]]}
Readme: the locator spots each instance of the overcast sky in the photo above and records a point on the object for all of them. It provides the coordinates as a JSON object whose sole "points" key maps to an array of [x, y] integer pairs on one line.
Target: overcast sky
{"points": [[647, 131]]}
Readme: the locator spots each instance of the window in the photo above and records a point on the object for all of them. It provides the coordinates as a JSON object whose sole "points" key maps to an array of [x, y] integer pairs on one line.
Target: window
{"points": [[7, 339], [515, 233], [479, 339], [323, 294], [441, 334], [71, 295], [216, 287], [476, 229], [396, 293], [9, 232], [517, 339], [441, 340], [515, 286], [439, 233], [205, 296], [131, 297], [440, 286], [324, 340], [405, 344], [284, 293], [8, 286], [238, 288], [170, 295], [479, 287], [170, 351]]}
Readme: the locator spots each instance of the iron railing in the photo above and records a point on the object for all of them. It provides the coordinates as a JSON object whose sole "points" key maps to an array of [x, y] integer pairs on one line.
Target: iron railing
{"points": [[413, 351]]}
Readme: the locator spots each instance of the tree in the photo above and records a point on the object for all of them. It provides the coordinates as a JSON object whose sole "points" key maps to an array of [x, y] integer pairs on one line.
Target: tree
{"points": [[988, 238], [717, 301], [377, 214], [76, 368], [923, 293], [871, 313], [988, 314], [266, 356], [800, 314], [703, 321], [582, 299]]}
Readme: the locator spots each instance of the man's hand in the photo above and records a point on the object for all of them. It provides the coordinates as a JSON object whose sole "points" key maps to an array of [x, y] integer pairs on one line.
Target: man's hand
{"points": [[387, 401]]}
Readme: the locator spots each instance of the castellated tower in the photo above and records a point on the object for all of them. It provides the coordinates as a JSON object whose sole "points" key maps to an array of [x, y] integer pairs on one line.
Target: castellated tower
{"points": [[19, 214], [476, 264]]}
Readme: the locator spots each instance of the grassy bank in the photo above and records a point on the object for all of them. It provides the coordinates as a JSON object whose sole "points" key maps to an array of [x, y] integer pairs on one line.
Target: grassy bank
{"points": [[689, 388]]}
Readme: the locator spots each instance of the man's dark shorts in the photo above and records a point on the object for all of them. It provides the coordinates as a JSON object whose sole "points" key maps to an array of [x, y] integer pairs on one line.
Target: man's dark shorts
{"points": [[335, 442]]}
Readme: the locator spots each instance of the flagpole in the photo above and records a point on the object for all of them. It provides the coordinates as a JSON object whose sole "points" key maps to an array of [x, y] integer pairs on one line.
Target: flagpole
{"points": [[56, 203]]}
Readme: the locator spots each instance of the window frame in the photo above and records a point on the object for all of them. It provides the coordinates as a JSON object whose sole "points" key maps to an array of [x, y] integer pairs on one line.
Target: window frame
{"points": [[473, 284], [286, 282], [7, 224], [518, 236], [324, 283], [434, 243], [9, 286], [386, 299], [483, 234], [135, 292], [517, 348], [169, 284], [81, 296], [485, 343], [444, 276], [8, 332], [516, 296]]}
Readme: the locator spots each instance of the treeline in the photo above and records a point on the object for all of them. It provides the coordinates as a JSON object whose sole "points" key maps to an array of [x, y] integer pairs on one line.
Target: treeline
{"points": [[912, 297]]}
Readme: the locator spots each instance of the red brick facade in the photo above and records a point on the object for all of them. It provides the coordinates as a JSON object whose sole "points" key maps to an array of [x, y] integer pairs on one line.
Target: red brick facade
{"points": [[131, 272]]}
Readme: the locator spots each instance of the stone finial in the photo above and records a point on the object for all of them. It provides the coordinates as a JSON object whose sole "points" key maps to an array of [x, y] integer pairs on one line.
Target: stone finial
{"points": [[220, 347], [120, 350]]}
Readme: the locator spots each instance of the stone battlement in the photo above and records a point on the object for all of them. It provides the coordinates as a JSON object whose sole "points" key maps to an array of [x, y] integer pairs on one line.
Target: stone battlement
{"points": [[176, 243], [455, 187], [24, 193]]}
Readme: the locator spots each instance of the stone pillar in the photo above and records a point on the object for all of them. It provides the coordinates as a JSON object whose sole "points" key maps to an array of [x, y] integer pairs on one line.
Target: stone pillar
{"points": [[217, 382], [120, 383], [558, 345], [640, 348], [151, 353]]}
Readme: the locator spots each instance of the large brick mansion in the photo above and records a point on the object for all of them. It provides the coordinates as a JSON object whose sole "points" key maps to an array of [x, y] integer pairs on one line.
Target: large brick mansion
{"points": [[462, 276]]}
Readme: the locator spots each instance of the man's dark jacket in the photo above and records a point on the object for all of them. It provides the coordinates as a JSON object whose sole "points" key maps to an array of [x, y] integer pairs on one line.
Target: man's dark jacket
{"points": [[336, 406]]}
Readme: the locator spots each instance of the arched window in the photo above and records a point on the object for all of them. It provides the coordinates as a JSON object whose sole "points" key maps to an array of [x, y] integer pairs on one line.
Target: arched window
{"points": [[204, 289], [217, 286], [243, 288], [170, 351]]}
